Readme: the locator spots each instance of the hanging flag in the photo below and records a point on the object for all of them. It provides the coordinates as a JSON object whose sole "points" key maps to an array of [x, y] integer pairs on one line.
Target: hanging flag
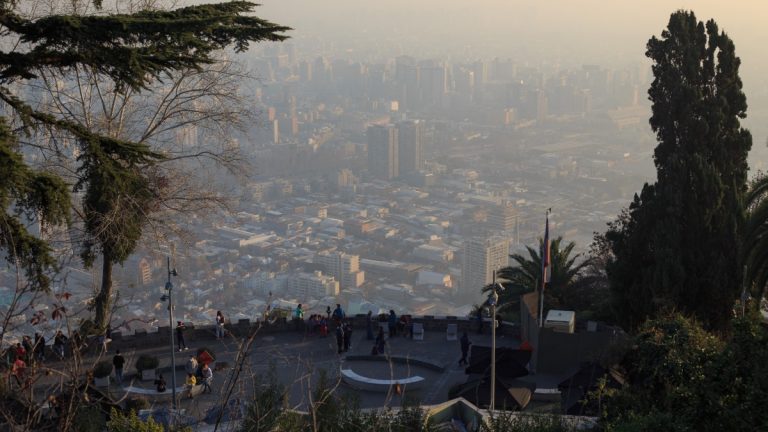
{"points": [[545, 256]]}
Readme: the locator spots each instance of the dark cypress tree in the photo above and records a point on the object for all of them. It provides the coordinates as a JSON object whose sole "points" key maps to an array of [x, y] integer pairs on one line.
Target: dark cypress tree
{"points": [[676, 247], [115, 176]]}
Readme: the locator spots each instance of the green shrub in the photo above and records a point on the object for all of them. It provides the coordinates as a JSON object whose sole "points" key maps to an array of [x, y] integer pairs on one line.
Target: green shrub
{"points": [[146, 362], [102, 369], [131, 423], [136, 404], [88, 418]]}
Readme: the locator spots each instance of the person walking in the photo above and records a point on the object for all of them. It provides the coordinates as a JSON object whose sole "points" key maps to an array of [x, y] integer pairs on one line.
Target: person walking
{"points": [[191, 366], [465, 343], [392, 323], [347, 336], [338, 315], [369, 326], [190, 383], [26, 342], [479, 320], [180, 327], [118, 361], [328, 313], [20, 351], [39, 348], [340, 338], [105, 338], [298, 317], [58, 344], [19, 372], [207, 378], [380, 341], [219, 325]]}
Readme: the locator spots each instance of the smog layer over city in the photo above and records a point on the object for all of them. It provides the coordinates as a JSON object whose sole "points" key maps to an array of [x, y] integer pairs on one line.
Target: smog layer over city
{"points": [[414, 158]]}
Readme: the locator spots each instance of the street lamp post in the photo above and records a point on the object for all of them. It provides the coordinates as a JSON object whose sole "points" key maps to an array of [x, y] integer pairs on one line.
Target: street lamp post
{"points": [[493, 300], [169, 297]]}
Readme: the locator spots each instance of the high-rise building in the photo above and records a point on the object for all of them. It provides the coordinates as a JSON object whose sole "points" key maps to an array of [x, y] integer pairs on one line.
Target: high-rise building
{"points": [[383, 157], [433, 82], [145, 271], [276, 131], [480, 258], [410, 141], [502, 217], [343, 267], [311, 285]]}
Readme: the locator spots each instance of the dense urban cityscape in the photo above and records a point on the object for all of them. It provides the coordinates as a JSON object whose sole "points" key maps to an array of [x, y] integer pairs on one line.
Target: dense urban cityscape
{"points": [[300, 224]]}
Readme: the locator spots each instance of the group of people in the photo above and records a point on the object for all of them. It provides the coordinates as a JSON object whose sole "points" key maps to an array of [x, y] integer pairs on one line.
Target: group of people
{"points": [[31, 351], [344, 336], [318, 324], [197, 372]]}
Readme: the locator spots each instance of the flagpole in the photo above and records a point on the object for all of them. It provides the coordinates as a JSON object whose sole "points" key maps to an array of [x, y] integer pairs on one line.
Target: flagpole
{"points": [[545, 264]]}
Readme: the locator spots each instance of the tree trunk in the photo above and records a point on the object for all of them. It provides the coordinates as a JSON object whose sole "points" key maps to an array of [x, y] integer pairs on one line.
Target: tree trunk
{"points": [[102, 302]]}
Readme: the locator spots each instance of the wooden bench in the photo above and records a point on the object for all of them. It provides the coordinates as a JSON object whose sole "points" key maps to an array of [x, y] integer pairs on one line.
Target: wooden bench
{"points": [[364, 383]]}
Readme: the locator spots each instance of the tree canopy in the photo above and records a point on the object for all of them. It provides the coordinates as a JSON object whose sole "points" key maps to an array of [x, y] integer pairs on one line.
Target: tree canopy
{"points": [[113, 175], [525, 275], [676, 247], [755, 246]]}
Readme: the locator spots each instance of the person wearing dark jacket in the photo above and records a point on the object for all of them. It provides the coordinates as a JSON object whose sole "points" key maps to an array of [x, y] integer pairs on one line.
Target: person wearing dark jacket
{"points": [[118, 361], [340, 338], [465, 343], [369, 326], [39, 347], [347, 336], [392, 323], [180, 327], [160, 383]]}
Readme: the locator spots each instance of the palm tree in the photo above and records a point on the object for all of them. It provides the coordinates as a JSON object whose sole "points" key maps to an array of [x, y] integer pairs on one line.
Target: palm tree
{"points": [[525, 275], [755, 238]]}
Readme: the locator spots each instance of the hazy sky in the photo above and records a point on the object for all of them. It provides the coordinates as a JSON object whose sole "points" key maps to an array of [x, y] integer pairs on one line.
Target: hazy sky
{"points": [[594, 30], [611, 33]]}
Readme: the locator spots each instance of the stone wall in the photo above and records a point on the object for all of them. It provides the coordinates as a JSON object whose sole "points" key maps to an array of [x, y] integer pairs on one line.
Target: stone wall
{"points": [[142, 339]]}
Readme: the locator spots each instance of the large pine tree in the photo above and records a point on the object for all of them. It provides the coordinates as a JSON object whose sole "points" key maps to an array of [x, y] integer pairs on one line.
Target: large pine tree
{"points": [[114, 175], [677, 245]]}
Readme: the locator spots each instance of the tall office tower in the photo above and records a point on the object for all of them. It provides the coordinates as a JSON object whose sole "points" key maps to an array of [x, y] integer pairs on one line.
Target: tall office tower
{"points": [[407, 81], [480, 69], [276, 131], [345, 178], [382, 152], [481, 257], [343, 267], [410, 141], [305, 71], [502, 217], [433, 82]]}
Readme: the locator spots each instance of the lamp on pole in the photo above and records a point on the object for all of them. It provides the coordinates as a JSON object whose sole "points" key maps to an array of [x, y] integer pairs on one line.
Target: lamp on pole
{"points": [[169, 297], [493, 300]]}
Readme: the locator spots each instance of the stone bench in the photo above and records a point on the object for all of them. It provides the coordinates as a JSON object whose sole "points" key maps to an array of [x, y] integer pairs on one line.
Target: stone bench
{"points": [[180, 391], [364, 383], [399, 360]]}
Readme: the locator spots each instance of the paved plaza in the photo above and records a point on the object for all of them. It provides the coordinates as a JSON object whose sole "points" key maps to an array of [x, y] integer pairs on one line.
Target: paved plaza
{"points": [[296, 359]]}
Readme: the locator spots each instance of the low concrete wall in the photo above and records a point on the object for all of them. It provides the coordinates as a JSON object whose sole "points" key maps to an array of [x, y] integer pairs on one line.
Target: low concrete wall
{"points": [[564, 352], [141, 339]]}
